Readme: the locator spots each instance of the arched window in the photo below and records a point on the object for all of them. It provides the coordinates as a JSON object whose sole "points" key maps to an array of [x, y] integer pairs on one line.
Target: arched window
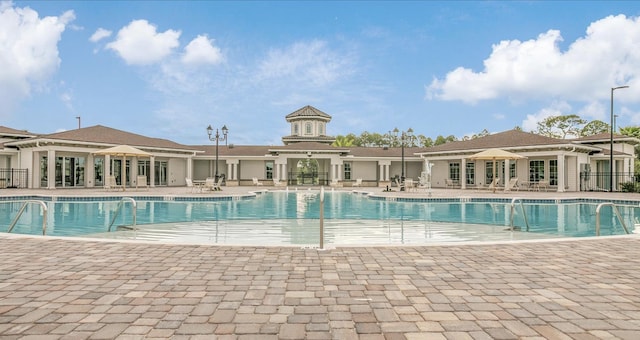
{"points": [[308, 128]]}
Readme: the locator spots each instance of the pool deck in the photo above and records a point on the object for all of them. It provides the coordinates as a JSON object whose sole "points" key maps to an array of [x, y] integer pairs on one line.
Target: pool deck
{"points": [[57, 288]]}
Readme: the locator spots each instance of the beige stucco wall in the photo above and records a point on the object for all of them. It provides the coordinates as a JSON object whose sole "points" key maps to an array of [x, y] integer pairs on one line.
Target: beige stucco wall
{"points": [[251, 168]]}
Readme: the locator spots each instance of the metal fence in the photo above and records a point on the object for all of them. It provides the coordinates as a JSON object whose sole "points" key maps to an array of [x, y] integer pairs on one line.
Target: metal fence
{"points": [[308, 178], [601, 181], [14, 178]]}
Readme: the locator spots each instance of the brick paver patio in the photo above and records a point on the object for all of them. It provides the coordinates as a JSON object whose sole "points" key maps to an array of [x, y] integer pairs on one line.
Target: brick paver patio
{"points": [[54, 288]]}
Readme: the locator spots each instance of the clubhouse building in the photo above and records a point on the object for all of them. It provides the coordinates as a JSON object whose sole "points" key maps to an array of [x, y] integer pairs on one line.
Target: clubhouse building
{"points": [[71, 159]]}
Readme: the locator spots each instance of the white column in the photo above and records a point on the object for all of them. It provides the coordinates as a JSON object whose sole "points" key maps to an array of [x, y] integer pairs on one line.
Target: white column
{"points": [[51, 169], [507, 175], [382, 174], [561, 170], [463, 174], [189, 167], [230, 171], [107, 169], [89, 172], [152, 171]]}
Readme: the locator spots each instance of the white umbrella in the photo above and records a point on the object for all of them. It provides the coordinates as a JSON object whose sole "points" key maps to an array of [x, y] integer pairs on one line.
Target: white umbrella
{"points": [[494, 155], [124, 151]]}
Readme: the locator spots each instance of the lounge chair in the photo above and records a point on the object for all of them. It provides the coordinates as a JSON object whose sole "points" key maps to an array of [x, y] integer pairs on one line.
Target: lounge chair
{"points": [[278, 183], [217, 186], [357, 183], [513, 184], [209, 184], [256, 182], [191, 187], [450, 183], [400, 186], [335, 183], [493, 185]]}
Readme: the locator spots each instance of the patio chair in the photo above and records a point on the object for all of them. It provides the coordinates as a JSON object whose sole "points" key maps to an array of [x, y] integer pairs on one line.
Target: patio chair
{"points": [[357, 183], [423, 183], [278, 183], [217, 186], [400, 186], [513, 184], [141, 182], [335, 183], [256, 182], [408, 184], [543, 184], [111, 183], [191, 187], [450, 183]]}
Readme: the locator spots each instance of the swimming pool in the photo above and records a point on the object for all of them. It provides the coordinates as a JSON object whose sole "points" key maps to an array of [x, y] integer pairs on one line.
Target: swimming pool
{"points": [[292, 218]]}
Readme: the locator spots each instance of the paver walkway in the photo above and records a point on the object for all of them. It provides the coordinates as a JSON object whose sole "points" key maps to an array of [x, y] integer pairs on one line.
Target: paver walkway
{"points": [[76, 289]]}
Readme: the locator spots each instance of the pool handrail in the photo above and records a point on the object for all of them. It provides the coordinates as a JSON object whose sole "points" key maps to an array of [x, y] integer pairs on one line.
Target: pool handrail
{"points": [[524, 213], [21, 211], [134, 206], [615, 210]]}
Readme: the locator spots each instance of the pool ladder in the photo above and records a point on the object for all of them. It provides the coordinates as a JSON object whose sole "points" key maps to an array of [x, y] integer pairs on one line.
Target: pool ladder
{"points": [[615, 210], [524, 213], [22, 209], [134, 206]]}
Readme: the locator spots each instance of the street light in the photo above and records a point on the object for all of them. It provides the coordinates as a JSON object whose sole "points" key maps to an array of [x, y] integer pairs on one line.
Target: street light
{"points": [[405, 137], [611, 138], [217, 138]]}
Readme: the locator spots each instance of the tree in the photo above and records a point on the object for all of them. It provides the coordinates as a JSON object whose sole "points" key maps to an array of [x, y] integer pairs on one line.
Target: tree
{"points": [[594, 127], [442, 140], [633, 131], [344, 141], [561, 126]]}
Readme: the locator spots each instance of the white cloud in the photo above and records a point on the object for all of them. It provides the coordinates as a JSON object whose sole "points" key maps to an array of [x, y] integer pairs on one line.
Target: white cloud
{"points": [[140, 44], [537, 68], [201, 51], [556, 109], [100, 34], [310, 62], [28, 51]]}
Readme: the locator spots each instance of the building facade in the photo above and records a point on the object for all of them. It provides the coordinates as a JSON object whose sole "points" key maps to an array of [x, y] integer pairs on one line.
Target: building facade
{"points": [[307, 158]]}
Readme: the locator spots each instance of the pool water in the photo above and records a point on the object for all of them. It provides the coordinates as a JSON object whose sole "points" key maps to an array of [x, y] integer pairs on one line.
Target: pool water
{"points": [[293, 218]]}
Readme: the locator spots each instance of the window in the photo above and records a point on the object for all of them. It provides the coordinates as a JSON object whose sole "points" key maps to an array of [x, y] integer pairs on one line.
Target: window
{"points": [[308, 128], [269, 170], [512, 170], [536, 171], [488, 171], [296, 129], [347, 171], [553, 172], [320, 129], [471, 173], [454, 171]]}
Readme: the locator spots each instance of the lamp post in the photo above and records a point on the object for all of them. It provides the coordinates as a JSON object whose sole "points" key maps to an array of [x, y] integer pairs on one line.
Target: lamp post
{"points": [[217, 138], [405, 137], [611, 138]]}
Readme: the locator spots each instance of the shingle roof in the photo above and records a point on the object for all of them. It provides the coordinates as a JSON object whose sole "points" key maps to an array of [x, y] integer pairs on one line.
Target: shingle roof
{"points": [[506, 139], [307, 112], [107, 135], [603, 137], [12, 132]]}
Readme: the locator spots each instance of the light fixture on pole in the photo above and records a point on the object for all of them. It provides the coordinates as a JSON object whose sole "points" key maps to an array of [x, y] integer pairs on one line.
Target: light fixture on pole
{"points": [[405, 137], [611, 138], [217, 138]]}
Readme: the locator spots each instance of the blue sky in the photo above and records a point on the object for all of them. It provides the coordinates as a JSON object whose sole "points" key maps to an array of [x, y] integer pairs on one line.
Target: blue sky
{"points": [[168, 69]]}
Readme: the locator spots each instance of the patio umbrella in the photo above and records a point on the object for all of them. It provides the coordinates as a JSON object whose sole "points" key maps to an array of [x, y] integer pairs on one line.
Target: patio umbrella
{"points": [[123, 151], [495, 155]]}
